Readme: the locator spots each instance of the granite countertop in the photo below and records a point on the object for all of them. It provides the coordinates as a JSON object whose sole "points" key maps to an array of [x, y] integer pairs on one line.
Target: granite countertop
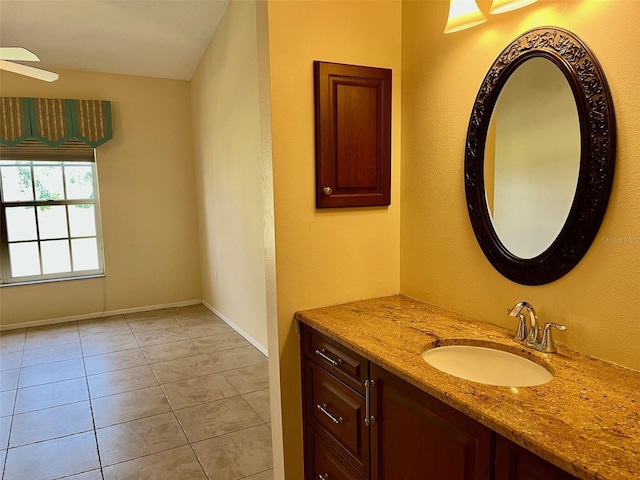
{"points": [[586, 420]]}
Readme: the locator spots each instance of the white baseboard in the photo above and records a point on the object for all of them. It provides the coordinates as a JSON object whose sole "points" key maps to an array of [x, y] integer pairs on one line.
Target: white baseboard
{"points": [[87, 316], [248, 337]]}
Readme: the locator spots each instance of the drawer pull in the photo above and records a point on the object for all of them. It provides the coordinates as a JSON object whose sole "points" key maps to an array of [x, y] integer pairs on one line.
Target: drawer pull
{"points": [[323, 477], [323, 354], [323, 409], [368, 418]]}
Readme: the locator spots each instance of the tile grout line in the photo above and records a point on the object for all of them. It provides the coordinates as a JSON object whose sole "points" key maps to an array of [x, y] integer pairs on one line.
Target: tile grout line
{"points": [[173, 411], [257, 473], [192, 337], [93, 418], [13, 410], [13, 414], [221, 372], [218, 436], [166, 399], [90, 396]]}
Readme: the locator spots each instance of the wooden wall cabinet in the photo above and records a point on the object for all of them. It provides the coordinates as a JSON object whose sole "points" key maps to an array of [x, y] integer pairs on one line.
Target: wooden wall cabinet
{"points": [[363, 423], [353, 135]]}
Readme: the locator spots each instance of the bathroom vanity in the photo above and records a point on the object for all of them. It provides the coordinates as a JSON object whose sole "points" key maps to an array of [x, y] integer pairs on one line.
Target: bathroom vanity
{"points": [[374, 409], [377, 403]]}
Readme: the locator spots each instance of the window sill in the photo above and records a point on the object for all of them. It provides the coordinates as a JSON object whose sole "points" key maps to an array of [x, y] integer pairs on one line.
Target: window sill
{"points": [[51, 280]]}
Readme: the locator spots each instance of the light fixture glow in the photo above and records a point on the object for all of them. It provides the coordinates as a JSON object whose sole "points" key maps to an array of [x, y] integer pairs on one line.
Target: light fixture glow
{"points": [[502, 6], [463, 14]]}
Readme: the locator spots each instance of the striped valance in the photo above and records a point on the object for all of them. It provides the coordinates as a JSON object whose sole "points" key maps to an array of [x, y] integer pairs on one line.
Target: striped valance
{"points": [[54, 122]]}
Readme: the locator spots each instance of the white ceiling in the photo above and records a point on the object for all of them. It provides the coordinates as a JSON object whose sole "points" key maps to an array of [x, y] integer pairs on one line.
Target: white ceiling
{"points": [[155, 38]]}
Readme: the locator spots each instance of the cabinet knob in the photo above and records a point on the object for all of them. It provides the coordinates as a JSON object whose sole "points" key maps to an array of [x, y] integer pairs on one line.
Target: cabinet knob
{"points": [[323, 477], [327, 190]]}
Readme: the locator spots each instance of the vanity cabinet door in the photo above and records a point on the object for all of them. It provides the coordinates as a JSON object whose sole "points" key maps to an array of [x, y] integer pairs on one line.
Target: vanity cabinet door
{"points": [[415, 436], [338, 412], [324, 462], [336, 439], [515, 463], [411, 434]]}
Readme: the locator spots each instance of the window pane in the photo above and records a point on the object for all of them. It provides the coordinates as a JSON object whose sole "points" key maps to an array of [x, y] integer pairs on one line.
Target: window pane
{"points": [[21, 224], [48, 182], [51, 238], [24, 259], [82, 220], [16, 183], [85, 254], [52, 221], [79, 182], [55, 256]]}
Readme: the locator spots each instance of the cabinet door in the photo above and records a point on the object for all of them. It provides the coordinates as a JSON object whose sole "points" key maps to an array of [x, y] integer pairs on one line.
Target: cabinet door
{"points": [[515, 463], [324, 462], [337, 412], [415, 436], [353, 135]]}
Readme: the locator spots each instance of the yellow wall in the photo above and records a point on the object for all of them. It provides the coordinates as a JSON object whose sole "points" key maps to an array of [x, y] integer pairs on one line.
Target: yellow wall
{"points": [[146, 181], [441, 261], [227, 145], [331, 256]]}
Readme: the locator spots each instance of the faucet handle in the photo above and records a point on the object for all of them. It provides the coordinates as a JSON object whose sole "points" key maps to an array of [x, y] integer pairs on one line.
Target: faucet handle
{"points": [[548, 345], [521, 331]]}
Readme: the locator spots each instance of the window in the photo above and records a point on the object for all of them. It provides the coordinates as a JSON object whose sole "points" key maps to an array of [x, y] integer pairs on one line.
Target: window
{"points": [[49, 220]]}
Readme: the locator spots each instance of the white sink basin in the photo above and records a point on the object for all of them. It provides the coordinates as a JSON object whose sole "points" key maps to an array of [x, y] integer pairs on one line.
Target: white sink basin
{"points": [[487, 365]]}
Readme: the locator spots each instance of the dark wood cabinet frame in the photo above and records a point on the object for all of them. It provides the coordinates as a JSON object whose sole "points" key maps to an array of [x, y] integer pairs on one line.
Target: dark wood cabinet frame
{"points": [[409, 434], [598, 151], [415, 434], [353, 135]]}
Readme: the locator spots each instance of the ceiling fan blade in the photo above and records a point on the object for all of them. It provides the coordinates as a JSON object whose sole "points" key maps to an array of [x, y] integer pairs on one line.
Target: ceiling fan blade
{"points": [[29, 71], [18, 53]]}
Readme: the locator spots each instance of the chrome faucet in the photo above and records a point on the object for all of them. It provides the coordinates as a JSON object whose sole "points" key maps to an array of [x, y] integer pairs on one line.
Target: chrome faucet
{"points": [[528, 332], [531, 326]]}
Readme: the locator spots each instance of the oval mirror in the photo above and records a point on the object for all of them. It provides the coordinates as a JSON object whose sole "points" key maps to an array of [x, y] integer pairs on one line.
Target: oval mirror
{"points": [[540, 155]]}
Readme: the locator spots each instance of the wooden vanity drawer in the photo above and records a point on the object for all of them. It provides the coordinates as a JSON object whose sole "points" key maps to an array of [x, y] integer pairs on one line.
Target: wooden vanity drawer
{"points": [[348, 366], [324, 462], [338, 412]]}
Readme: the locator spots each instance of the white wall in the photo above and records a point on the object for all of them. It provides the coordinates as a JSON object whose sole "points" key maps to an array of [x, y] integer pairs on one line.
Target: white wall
{"points": [[537, 157], [227, 136]]}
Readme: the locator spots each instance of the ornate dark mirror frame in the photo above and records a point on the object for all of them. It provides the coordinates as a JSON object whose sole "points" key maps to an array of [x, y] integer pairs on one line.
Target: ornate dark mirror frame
{"points": [[598, 146]]}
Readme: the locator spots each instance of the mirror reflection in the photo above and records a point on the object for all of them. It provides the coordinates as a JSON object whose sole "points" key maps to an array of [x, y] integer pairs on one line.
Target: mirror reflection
{"points": [[532, 158]]}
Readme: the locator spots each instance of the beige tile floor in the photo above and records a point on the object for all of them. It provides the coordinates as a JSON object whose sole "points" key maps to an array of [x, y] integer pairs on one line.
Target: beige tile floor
{"points": [[165, 394]]}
